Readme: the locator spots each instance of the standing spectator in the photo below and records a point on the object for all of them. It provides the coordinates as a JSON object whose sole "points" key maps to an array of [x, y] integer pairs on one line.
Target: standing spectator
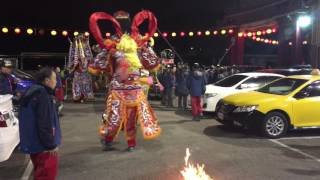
{"points": [[168, 81], [6, 81], [59, 92], [212, 75], [40, 133], [196, 86], [181, 86], [221, 73], [234, 70]]}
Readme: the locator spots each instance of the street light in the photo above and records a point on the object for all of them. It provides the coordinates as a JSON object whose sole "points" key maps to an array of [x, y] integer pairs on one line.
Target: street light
{"points": [[304, 21]]}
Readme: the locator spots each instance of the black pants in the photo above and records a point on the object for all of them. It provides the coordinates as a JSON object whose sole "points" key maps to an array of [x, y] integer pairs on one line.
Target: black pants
{"points": [[167, 97], [182, 101]]}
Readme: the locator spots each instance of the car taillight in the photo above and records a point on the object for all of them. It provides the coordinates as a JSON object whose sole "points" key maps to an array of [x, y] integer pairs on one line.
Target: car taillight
{"points": [[3, 122]]}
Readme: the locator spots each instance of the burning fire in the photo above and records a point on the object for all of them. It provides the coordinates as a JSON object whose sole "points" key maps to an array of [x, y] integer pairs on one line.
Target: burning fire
{"points": [[192, 172]]}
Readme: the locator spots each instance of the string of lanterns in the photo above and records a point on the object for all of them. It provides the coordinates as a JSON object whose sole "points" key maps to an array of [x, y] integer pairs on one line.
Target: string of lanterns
{"points": [[256, 36], [34, 31], [54, 32]]}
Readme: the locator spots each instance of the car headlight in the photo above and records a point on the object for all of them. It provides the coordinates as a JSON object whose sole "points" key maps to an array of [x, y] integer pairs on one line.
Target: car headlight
{"points": [[245, 109], [209, 95]]}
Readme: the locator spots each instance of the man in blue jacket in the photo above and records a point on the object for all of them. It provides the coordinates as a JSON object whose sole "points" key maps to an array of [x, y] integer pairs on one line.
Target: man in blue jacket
{"points": [[196, 84], [40, 133]]}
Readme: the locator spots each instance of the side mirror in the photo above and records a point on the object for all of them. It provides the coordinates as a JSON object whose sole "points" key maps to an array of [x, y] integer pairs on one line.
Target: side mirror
{"points": [[301, 95]]}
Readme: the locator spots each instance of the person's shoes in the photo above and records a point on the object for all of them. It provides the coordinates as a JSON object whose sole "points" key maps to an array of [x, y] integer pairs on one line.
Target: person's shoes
{"points": [[107, 147], [196, 118], [130, 149]]}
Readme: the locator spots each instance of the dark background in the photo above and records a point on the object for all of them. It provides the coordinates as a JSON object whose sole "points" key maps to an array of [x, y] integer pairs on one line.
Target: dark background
{"points": [[73, 15]]}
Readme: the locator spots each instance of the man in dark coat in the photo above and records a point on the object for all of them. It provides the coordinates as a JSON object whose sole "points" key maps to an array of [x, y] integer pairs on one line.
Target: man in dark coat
{"points": [[167, 79], [6, 81], [182, 90]]}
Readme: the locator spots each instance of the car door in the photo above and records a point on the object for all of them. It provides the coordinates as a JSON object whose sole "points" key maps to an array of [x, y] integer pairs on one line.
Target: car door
{"points": [[306, 106]]}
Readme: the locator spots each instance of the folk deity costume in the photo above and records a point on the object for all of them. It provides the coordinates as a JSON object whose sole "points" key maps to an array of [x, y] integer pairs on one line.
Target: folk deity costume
{"points": [[79, 57], [128, 54]]}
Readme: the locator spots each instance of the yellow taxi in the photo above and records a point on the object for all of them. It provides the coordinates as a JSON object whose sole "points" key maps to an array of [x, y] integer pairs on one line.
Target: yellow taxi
{"points": [[288, 103]]}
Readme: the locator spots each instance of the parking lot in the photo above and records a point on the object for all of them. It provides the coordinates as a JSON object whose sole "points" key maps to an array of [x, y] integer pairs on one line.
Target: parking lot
{"points": [[226, 153]]}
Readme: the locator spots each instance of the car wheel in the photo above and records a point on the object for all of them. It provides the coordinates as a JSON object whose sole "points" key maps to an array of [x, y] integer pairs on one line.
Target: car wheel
{"points": [[274, 125]]}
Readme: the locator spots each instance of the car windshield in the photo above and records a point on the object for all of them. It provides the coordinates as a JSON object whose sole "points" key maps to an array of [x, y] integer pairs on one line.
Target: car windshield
{"points": [[22, 75], [230, 81], [258, 81], [283, 86]]}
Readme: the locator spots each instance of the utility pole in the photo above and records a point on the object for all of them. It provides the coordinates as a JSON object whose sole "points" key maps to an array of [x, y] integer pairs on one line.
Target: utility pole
{"points": [[315, 38]]}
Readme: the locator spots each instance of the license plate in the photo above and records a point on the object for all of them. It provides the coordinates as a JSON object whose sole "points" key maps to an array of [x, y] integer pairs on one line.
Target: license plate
{"points": [[220, 115]]}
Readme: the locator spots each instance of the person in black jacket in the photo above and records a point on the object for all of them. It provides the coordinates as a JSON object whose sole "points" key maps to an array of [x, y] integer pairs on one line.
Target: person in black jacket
{"points": [[167, 79], [6, 81], [182, 90], [40, 133]]}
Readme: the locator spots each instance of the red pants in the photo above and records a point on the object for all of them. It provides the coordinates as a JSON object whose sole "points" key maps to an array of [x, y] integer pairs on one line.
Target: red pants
{"points": [[59, 94], [45, 166], [196, 105], [129, 127]]}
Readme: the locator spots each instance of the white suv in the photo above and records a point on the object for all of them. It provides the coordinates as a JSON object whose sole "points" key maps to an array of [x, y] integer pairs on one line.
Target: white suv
{"points": [[242, 82]]}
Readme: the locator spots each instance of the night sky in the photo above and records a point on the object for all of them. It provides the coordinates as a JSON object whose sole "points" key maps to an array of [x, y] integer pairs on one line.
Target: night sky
{"points": [[73, 15]]}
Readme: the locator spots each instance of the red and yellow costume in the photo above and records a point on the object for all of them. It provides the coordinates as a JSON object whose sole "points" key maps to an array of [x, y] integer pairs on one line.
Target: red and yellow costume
{"points": [[128, 54]]}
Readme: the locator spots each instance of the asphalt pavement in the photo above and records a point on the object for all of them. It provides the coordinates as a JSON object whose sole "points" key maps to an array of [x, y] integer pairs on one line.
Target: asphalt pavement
{"points": [[228, 154]]}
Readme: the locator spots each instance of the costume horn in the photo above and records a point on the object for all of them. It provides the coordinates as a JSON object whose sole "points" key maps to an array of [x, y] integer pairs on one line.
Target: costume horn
{"points": [[95, 29]]}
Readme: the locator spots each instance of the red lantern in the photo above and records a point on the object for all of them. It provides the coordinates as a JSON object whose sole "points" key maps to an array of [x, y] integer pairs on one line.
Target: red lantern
{"points": [[230, 31], [164, 34], [182, 34], [199, 33], [65, 33], [269, 31]]}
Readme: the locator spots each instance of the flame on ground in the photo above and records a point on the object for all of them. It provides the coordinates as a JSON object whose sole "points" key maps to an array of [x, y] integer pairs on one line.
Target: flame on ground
{"points": [[192, 172]]}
